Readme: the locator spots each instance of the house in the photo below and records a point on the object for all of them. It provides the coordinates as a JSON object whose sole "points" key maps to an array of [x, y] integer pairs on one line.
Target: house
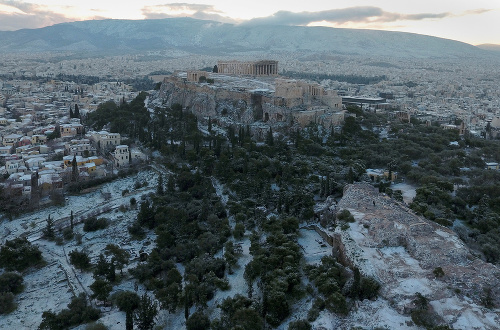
{"points": [[71, 129], [79, 147], [492, 166], [12, 166], [5, 150], [104, 139], [378, 174], [11, 139], [121, 155], [38, 139]]}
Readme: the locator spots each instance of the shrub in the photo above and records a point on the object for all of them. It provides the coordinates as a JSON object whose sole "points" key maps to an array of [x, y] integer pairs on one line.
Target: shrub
{"points": [[438, 272], [198, 321], [96, 326], [94, 224], [313, 314], [79, 259], [443, 222], [345, 215], [369, 288], [7, 304], [68, 233], [299, 325], [78, 312], [239, 230], [11, 282], [18, 254], [126, 300], [136, 231]]}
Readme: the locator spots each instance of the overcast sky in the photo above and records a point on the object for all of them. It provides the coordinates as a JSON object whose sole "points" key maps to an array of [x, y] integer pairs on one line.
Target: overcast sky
{"points": [[471, 21]]}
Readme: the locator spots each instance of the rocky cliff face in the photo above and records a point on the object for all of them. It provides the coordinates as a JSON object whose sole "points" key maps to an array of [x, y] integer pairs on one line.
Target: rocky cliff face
{"points": [[403, 251]]}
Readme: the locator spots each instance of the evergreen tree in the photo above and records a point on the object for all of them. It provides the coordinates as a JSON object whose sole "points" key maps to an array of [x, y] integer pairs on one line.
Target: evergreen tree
{"points": [[120, 256], [270, 138], [215, 69], [101, 290], [77, 111], [146, 313], [71, 115], [111, 275], [101, 268], [48, 232], [159, 189], [71, 218], [74, 170]]}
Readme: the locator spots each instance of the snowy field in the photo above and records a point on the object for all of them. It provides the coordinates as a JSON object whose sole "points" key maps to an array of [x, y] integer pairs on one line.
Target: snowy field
{"points": [[53, 286]]}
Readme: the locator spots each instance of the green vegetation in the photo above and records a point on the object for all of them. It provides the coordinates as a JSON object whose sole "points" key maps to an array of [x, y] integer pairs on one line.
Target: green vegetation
{"points": [[94, 224], [79, 259], [78, 312], [272, 188], [353, 79], [19, 254]]}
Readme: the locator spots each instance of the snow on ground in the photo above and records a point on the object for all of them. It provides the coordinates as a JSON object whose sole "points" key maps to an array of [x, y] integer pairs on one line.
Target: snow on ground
{"points": [[53, 286], [409, 191], [236, 280], [376, 314], [314, 248]]}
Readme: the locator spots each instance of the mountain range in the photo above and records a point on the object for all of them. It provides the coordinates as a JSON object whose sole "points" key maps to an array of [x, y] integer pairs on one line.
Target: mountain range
{"points": [[111, 37]]}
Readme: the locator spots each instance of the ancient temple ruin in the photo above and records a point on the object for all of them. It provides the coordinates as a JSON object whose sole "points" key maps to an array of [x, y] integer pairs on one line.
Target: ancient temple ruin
{"points": [[258, 68]]}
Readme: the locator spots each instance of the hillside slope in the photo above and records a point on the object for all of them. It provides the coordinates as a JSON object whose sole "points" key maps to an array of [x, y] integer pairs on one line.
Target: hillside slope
{"points": [[106, 37]]}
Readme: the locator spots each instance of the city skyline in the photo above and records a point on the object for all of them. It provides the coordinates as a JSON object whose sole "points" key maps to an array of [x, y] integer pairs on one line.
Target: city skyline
{"points": [[472, 23]]}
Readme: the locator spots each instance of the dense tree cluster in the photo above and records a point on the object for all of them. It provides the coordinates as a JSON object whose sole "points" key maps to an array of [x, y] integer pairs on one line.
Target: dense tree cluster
{"points": [[19, 254], [78, 312]]}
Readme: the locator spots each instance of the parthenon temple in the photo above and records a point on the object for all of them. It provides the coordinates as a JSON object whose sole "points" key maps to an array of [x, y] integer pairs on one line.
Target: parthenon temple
{"points": [[259, 68]]}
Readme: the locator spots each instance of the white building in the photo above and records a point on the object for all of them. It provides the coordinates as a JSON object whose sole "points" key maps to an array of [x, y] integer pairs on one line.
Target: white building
{"points": [[121, 155]]}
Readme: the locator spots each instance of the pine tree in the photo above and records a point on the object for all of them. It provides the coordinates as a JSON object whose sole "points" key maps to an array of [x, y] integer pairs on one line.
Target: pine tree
{"points": [[159, 189], [209, 125], [71, 220], [270, 138], [48, 232], [146, 313], [74, 170], [77, 111], [71, 115]]}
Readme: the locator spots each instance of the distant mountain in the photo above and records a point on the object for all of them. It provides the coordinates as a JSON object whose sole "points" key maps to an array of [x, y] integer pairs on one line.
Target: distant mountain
{"points": [[105, 37], [491, 47]]}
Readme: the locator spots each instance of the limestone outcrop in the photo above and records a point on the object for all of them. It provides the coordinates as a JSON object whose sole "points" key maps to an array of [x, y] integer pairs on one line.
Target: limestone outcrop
{"points": [[403, 251]]}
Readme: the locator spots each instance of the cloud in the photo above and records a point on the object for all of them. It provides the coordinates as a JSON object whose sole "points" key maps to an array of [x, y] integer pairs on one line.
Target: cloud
{"points": [[363, 15], [22, 15], [199, 11], [366, 14]]}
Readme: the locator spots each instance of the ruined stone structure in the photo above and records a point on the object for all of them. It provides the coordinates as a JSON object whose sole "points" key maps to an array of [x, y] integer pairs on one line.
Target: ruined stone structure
{"points": [[249, 101], [196, 75], [259, 68], [296, 92]]}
